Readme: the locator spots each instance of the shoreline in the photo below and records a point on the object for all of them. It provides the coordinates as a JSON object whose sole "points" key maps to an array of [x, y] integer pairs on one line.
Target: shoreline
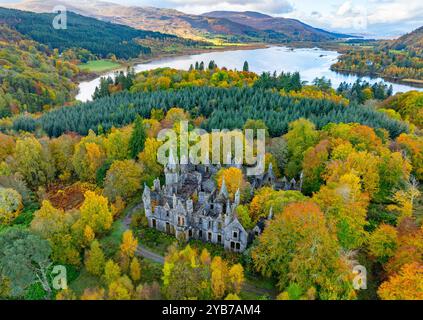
{"points": [[411, 82], [84, 77]]}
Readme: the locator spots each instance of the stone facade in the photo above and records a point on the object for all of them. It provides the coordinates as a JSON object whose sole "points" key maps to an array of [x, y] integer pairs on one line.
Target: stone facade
{"points": [[189, 206]]}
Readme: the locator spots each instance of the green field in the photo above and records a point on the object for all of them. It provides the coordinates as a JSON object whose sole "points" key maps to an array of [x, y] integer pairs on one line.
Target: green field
{"points": [[99, 66]]}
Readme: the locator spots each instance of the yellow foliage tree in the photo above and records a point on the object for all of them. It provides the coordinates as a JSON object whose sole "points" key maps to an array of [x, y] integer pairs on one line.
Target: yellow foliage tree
{"points": [[121, 289], [135, 270], [95, 212], [406, 285], [112, 271], [219, 274], [236, 277], [93, 294], [94, 259], [129, 244], [234, 180], [10, 205]]}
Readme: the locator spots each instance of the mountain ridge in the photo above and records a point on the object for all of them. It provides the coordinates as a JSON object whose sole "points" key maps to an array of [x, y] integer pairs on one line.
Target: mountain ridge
{"points": [[197, 27]]}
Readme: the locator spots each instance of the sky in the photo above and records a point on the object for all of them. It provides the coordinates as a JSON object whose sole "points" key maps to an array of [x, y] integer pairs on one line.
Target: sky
{"points": [[373, 17], [378, 17]]}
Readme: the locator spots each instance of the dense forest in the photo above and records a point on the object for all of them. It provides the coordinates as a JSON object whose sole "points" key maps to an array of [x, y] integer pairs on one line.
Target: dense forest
{"points": [[99, 37], [342, 188], [401, 59], [66, 201], [223, 108], [32, 77]]}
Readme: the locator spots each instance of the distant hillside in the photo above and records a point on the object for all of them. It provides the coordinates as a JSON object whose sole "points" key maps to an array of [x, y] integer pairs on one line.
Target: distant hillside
{"points": [[214, 26], [412, 41], [32, 78], [293, 29], [400, 59], [100, 37]]}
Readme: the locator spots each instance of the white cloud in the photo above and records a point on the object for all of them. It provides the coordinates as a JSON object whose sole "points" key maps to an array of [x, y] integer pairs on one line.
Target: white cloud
{"points": [[201, 6], [372, 16]]}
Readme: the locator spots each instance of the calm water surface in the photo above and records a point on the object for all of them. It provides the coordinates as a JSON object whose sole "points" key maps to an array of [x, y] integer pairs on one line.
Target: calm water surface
{"points": [[311, 63]]}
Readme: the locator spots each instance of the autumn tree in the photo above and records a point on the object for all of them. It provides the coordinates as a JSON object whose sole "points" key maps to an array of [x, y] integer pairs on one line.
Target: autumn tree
{"points": [[123, 180], [314, 165], [30, 161], [236, 277], [232, 296], [383, 242], [266, 198], [279, 150], [184, 277], [66, 295], [93, 294], [405, 200], [394, 172], [219, 277], [234, 180], [10, 205], [409, 246], [406, 285], [89, 156], [244, 217], [55, 226], [117, 144], [121, 289], [112, 271], [297, 247], [173, 116], [62, 150], [94, 259], [345, 205], [302, 135], [148, 159], [135, 270], [413, 147], [7, 146], [96, 214], [128, 249]]}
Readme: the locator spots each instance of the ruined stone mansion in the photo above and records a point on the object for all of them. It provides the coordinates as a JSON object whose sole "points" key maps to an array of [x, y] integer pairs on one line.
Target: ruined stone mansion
{"points": [[190, 206]]}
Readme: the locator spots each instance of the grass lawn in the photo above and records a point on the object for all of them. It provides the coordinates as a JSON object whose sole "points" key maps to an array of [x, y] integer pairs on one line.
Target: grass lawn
{"points": [[99, 66]]}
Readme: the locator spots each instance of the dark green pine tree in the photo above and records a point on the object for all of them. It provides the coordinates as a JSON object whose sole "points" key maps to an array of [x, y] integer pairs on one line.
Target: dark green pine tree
{"points": [[138, 137], [246, 67]]}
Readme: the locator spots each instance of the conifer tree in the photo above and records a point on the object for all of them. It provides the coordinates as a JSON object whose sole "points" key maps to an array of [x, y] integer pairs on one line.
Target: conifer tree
{"points": [[138, 137]]}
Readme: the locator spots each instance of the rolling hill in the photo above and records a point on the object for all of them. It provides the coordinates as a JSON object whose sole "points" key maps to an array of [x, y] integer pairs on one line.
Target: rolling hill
{"points": [[32, 77], [227, 27], [412, 42], [291, 28], [99, 37]]}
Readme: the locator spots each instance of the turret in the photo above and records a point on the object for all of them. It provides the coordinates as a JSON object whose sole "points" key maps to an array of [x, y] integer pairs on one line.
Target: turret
{"points": [[224, 190], [237, 198], [146, 198], [174, 201], [228, 214], [270, 170], [157, 186], [171, 164], [190, 206]]}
